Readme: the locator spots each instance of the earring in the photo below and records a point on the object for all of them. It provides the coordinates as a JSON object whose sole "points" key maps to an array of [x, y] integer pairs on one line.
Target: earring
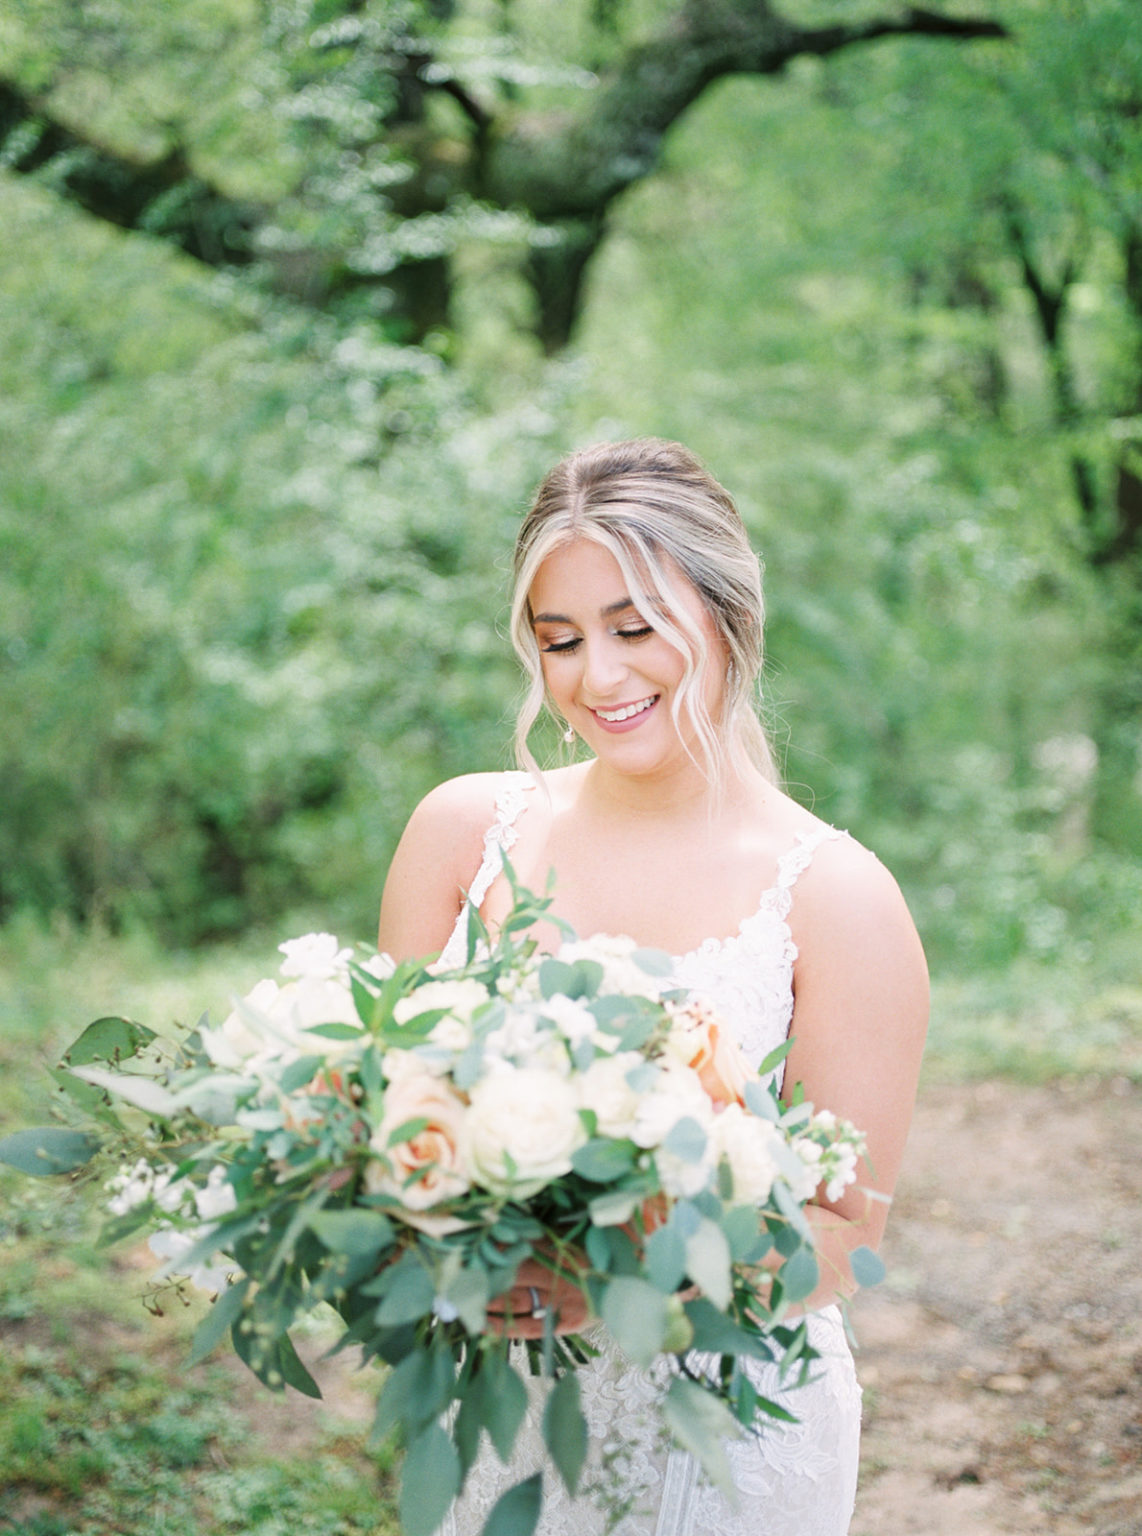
{"points": [[568, 735]]}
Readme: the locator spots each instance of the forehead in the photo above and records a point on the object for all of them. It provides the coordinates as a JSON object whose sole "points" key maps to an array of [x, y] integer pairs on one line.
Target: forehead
{"points": [[581, 574], [582, 580]]}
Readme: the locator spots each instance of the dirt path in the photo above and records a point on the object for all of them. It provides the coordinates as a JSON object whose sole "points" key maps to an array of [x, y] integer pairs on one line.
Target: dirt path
{"points": [[1002, 1361]]}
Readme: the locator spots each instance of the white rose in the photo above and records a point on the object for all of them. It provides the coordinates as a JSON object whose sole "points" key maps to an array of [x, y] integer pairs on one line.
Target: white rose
{"points": [[243, 1033], [574, 1022], [677, 1094], [272, 1023], [317, 956], [216, 1197], [604, 1089], [174, 1246], [522, 1126], [312, 1000], [682, 1178], [458, 998], [746, 1142], [622, 975]]}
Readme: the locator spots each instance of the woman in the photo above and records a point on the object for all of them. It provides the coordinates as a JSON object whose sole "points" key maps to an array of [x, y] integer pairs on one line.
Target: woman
{"points": [[638, 616]]}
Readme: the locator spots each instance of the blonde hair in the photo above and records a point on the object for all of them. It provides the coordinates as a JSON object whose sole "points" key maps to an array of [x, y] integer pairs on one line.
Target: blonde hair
{"points": [[661, 515]]}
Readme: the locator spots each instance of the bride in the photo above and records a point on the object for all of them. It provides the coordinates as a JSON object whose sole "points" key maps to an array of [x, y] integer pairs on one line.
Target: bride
{"points": [[638, 617]]}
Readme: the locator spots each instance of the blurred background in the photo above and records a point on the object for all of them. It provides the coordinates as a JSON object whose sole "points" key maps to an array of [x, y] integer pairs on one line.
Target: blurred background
{"points": [[300, 298]]}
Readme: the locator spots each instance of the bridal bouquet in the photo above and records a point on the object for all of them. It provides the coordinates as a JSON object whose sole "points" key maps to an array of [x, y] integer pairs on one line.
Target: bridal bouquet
{"points": [[392, 1142]]}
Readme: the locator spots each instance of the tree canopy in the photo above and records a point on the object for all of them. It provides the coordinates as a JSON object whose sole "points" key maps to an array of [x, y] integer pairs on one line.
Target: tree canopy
{"points": [[348, 148], [287, 346]]}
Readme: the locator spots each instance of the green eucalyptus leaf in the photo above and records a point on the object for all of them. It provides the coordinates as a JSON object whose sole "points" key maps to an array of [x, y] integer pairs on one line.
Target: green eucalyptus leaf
{"points": [[300, 1072], [686, 1140], [800, 1275], [218, 1321], [408, 1295], [430, 1479], [565, 1430], [702, 1424], [48, 1149], [469, 1292], [761, 1102], [356, 1232], [416, 1391], [336, 1031], [655, 962], [744, 1232], [867, 1266], [109, 1039], [603, 1160], [613, 1209], [505, 1402], [708, 1262], [665, 1258], [516, 1512], [775, 1058], [717, 1334], [143, 1092], [292, 1370], [636, 1314]]}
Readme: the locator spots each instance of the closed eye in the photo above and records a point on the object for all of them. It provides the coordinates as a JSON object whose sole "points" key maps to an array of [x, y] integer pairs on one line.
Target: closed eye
{"points": [[566, 647]]}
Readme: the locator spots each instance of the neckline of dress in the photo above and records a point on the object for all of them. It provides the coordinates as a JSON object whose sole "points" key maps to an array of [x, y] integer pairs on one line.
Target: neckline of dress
{"points": [[767, 906], [775, 901]]}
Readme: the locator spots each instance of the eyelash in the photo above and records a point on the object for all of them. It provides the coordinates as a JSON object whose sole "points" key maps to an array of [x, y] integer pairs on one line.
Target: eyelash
{"points": [[565, 647]]}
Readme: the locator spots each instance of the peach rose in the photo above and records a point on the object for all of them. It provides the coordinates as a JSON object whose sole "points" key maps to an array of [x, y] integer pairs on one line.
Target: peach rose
{"points": [[424, 1170], [701, 1042]]}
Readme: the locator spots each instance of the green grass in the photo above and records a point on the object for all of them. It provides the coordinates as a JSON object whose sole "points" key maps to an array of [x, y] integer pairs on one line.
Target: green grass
{"points": [[1035, 1023], [102, 1428]]}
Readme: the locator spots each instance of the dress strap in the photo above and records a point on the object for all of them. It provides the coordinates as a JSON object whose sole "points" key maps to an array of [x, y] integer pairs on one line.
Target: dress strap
{"points": [[501, 835], [795, 861]]}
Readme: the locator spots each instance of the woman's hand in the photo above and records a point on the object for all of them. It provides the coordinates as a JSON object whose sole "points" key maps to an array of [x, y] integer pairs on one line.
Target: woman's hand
{"points": [[521, 1313]]}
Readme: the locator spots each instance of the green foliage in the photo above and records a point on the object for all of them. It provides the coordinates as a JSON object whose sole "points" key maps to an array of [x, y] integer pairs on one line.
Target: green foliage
{"points": [[244, 626], [251, 560]]}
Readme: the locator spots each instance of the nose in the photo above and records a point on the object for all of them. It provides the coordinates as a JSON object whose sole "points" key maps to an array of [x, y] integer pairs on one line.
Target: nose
{"points": [[604, 665]]}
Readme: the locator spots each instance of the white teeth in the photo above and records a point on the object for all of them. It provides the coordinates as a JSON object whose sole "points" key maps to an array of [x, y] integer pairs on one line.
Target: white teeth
{"points": [[613, 715]]}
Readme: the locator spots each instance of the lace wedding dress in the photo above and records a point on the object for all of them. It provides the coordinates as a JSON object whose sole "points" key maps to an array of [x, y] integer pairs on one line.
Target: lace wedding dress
{"points": [[792, 1480]]}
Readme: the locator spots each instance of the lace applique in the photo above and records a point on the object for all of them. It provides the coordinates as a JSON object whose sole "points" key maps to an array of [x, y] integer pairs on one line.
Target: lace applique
{"points": [[749, 975], [499, 839]]}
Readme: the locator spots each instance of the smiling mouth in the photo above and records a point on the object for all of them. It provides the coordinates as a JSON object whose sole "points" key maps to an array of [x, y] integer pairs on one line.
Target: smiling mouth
{"points": [[613, 716]]}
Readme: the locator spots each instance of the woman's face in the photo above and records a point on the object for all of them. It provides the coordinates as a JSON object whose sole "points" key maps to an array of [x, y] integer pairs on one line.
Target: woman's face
{"points": [[609, 672]]}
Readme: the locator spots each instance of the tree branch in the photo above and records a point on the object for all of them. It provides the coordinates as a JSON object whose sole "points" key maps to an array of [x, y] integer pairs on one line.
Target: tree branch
{"points": [[572, 167], [163, 197]]}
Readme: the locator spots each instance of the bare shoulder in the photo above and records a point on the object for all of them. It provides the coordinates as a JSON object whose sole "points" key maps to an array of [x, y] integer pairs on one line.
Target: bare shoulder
{"points": [[848, 906], [435, 861]]}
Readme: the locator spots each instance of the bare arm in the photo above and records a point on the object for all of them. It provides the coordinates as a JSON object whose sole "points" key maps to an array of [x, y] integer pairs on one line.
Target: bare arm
{"points": [[435, 862], [859, 1022]]}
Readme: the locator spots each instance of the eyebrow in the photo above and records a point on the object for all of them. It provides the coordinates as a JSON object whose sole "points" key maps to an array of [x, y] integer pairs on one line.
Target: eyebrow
{"points": [[561, 618]]}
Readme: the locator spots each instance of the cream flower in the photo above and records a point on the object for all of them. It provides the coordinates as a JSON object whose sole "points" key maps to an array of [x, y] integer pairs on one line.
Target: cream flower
{"points": [[459, 999], [747, 1143], [622, 974], [604, 1088], [317, 956], [677, 1094], [521, 1129], [272, 1023]]}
